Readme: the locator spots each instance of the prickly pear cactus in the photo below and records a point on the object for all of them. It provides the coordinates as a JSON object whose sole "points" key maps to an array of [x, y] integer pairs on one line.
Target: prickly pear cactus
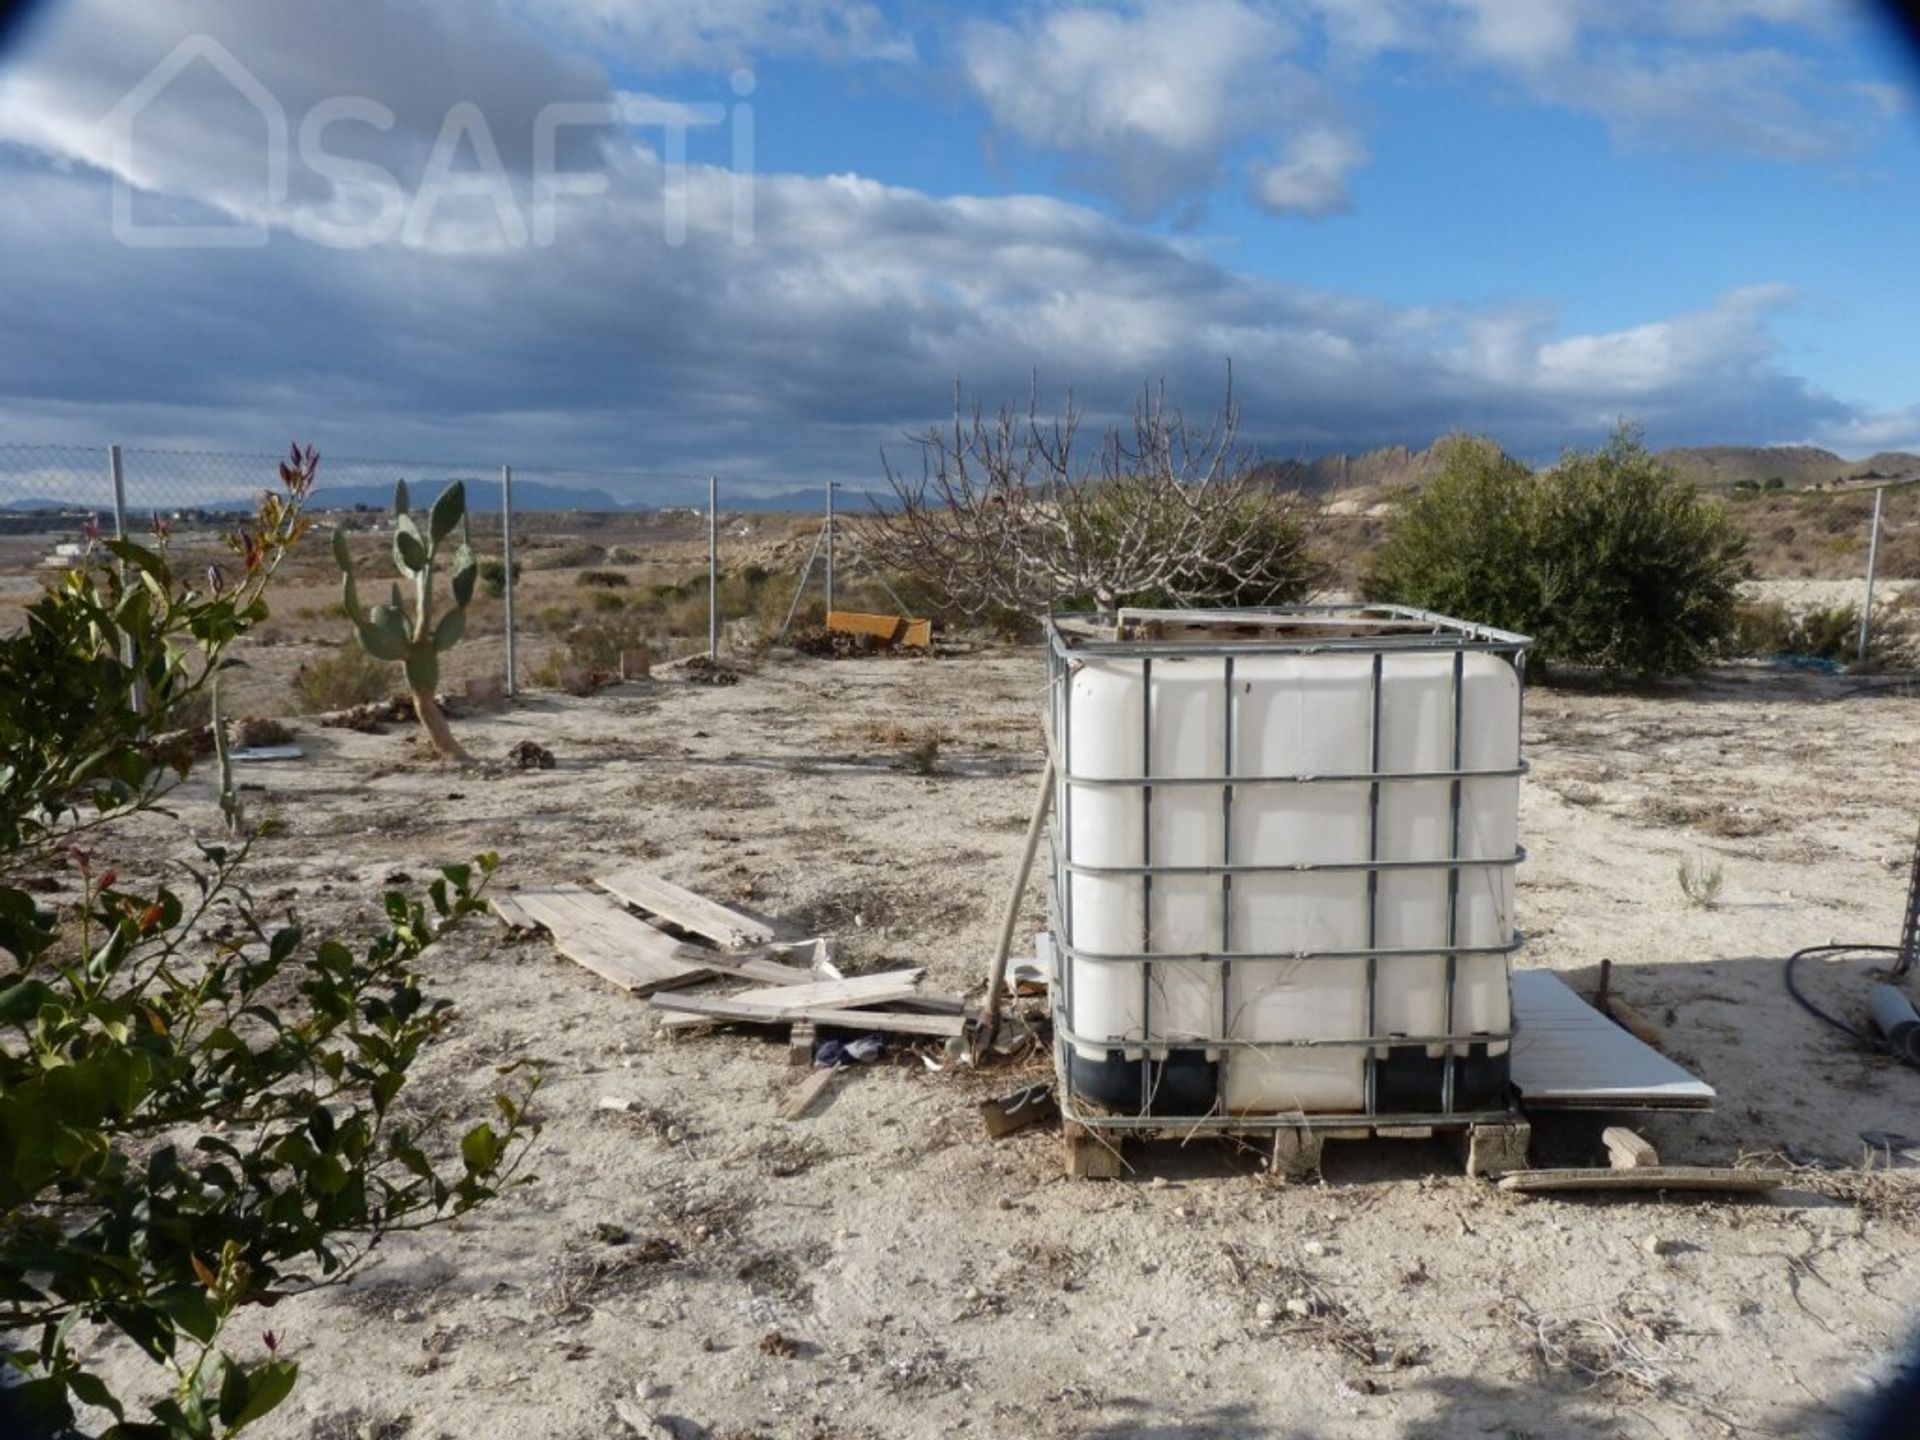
{"points": [[417, 640]]}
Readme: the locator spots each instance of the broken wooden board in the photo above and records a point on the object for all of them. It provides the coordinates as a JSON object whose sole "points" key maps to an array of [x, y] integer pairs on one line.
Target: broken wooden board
{"points": [[808, 1092], [1008, 1114], [719, 923], [1568, 1056], [591, 930], [1627, 1150], [719, 1007], [1650, 1177], [881, 988]]}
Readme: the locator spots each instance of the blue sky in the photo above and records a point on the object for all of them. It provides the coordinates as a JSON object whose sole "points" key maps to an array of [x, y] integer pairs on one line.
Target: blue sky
{"points": [[1393, 217]]}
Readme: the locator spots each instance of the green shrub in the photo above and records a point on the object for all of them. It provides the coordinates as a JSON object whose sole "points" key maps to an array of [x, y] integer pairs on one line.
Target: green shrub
{"points": [[555, 618], [349, 676], [493, 577], [597, 644], [1766, 627], [606, 579], [605, 600], [1607, 560], [202, 1103]]}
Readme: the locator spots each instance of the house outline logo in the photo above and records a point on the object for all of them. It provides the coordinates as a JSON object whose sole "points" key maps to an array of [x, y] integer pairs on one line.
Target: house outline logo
{"points": [[119, 125]]}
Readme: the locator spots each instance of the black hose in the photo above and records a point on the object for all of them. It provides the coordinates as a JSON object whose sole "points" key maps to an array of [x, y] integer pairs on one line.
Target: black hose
{"points": [[1827, 952]]}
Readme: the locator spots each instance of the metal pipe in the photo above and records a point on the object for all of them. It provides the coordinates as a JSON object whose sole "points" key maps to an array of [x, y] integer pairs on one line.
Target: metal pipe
{"points": [[713, 568], [506, 562], [832, 485], [1896, 1021], [1873, 556], [806, 574], [117, 474], [997, 973]]}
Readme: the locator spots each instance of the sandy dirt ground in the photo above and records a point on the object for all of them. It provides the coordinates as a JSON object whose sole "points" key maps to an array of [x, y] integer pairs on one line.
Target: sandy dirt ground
{"points": [[881, 1269]]}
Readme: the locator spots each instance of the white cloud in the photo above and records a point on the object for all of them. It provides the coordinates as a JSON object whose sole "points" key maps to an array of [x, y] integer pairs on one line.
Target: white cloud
{"points": [[842, 324], [1147, 96], [1312, 179]]}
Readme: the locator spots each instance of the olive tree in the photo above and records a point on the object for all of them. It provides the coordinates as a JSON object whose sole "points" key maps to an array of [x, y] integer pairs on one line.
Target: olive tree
{"points": [[1608, 560]]}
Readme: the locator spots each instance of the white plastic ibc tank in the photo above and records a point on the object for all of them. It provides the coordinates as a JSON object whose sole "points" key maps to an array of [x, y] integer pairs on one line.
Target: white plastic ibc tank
{"points": [[1293, 714]]}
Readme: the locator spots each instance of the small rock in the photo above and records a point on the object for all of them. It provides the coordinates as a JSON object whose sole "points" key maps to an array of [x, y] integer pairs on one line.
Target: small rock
{"points": [[1658, 1245], [1265, 1311], [1298, 1308], [1314, 1248], [1138, 1332]]}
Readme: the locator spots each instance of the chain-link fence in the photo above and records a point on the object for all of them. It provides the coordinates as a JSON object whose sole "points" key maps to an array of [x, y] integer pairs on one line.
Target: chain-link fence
{"points": [[580, 570]]}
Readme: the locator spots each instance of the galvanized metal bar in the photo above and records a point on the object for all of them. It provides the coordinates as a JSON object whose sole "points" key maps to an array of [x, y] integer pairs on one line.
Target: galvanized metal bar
{"points": [[117, 474], [1146, 885], [506, 562], [806, 574], [1873, 558], [713, 568], [1332, 1042], [1357, 777], [1453, 886], [832, 485], [1372, 1063], [1385, 952], [1227, 741], [1301, 866]]}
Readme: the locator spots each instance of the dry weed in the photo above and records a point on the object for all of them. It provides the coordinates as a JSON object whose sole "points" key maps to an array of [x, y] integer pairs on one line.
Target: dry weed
{"points": [[1624, 1346]]}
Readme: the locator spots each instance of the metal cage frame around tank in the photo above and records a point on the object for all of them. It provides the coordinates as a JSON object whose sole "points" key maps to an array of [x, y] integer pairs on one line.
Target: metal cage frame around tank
{"points": [[1442, 634]]}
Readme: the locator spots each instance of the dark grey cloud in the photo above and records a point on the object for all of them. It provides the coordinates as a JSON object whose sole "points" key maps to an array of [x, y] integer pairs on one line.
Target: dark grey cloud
{"points": [[788, 351]]}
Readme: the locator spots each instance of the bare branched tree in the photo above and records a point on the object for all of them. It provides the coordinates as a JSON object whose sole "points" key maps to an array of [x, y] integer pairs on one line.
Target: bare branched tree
{"points": [[1012, 512]]}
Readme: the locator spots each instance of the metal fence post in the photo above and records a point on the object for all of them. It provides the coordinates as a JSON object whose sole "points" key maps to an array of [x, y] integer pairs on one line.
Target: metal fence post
{"points": [[117, 473], [1873, 556], [832, 485], [713, 567], [506, 561]]}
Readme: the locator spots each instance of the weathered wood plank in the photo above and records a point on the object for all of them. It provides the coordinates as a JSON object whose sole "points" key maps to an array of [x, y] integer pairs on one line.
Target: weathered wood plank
{"points": [[852, 994], [1652, 1177], [807, 1094], [592, 931], [719, 923], [1627, 1150], [885, 1021]]}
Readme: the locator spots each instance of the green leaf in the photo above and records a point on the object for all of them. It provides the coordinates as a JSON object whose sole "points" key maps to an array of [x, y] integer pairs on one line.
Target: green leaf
{"points": [[255, 1392], [480, 1149]]}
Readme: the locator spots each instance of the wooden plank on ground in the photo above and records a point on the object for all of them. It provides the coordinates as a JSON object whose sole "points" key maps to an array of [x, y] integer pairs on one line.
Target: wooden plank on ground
{"points": [[1628, 1150], [880, 988], [886, 1021], [509, 913], [1651, 1177], [591, 930], [719, 923], [756, 967], [807, 1094]]}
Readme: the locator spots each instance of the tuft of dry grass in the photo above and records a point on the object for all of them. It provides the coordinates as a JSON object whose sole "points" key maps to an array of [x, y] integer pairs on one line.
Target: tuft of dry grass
{"points": [[1625, 1346]]}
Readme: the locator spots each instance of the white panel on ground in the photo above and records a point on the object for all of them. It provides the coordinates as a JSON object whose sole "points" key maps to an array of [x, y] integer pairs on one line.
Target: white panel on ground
{"points": [[1568, 1056]]}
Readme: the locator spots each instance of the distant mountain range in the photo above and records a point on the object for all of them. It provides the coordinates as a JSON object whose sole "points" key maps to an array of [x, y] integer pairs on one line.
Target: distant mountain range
{"points": [[483, 498], [1715, 467]]}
